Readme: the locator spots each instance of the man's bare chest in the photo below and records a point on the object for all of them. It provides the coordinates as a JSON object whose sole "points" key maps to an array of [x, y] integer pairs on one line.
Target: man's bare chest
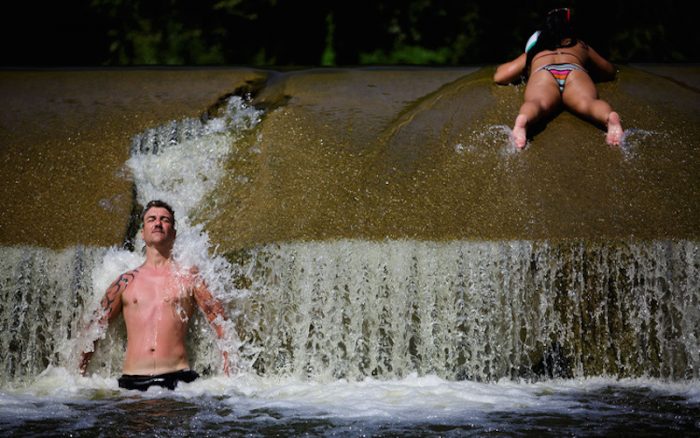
{"points": [[147, 295]]}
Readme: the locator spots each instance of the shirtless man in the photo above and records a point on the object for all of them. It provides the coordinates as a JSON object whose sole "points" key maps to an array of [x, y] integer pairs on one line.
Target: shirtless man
{"points": [[559, 65], [157, 302]]}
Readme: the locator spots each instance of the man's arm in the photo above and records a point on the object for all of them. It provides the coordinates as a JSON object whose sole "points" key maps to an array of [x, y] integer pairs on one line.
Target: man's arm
{"points": [[214, 312], [110, 307]]}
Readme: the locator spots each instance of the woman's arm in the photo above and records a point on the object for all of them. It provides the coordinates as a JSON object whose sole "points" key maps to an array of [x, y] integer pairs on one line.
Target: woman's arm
{"points": [[599, 67], [510, 71]]}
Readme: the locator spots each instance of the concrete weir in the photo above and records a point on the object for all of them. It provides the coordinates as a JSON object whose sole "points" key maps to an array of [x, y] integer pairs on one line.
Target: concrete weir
{"points": [[354, 153], [359, 222]]}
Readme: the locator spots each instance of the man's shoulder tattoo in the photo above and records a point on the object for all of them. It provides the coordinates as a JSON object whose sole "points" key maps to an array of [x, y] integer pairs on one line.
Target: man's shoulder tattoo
{"points": [[119, 286], [123, 281]]}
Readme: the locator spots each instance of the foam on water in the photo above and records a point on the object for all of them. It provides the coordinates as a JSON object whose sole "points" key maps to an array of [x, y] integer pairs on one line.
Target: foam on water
{"points": [[633, 139], [58, 394]]}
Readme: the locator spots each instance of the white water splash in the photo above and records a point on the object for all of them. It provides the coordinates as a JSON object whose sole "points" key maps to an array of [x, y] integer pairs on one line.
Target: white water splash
{"points": [[411, 399], [493, 137], [184, 173], [182, 170], [634, 139]]}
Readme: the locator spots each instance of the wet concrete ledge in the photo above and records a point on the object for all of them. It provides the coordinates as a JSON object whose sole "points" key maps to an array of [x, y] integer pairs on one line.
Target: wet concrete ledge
{"points": [[65, 135]]}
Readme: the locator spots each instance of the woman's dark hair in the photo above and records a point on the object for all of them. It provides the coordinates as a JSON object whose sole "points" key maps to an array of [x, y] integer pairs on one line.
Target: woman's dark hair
{"points": [[556, 32]]}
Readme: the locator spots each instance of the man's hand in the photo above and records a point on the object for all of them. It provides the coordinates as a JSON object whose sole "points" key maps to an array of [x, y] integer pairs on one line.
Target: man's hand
{"points": [[226, 364], [84, 361]]}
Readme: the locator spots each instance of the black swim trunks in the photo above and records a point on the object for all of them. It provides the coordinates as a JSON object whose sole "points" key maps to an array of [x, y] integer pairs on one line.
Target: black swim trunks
{"points": [[167, 380]]}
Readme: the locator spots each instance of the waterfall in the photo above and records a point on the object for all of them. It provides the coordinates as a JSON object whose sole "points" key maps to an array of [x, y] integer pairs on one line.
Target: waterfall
{"points": [[351, 309], [477, 310], [42, 295]]}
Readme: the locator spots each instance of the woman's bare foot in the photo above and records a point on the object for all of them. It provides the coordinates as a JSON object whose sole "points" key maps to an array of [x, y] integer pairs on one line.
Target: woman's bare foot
{"points": [[519, 132], [614, 135]]}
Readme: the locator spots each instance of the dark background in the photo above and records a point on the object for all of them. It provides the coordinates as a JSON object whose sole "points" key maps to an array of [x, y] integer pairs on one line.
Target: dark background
{"points": [[298, 33]]}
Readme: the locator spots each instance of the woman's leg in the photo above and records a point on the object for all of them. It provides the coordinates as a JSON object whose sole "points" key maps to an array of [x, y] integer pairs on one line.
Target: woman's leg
{"points": [[541, 97], [581, 96]]}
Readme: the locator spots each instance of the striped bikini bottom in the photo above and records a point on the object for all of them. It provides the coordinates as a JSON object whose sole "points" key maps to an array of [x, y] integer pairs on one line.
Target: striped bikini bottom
{"points": [[560, 72]]}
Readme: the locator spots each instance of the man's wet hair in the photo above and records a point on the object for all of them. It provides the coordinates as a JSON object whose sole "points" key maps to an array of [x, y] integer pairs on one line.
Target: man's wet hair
{"points": [[158, 203]]}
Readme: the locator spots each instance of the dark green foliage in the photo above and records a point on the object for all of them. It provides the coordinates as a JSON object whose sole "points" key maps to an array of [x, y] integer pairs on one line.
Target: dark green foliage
{"points": [[297, 33]]}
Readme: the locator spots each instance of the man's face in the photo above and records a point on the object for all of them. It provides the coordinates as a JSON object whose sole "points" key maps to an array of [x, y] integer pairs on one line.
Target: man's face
{"points": [[158, 226]]}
